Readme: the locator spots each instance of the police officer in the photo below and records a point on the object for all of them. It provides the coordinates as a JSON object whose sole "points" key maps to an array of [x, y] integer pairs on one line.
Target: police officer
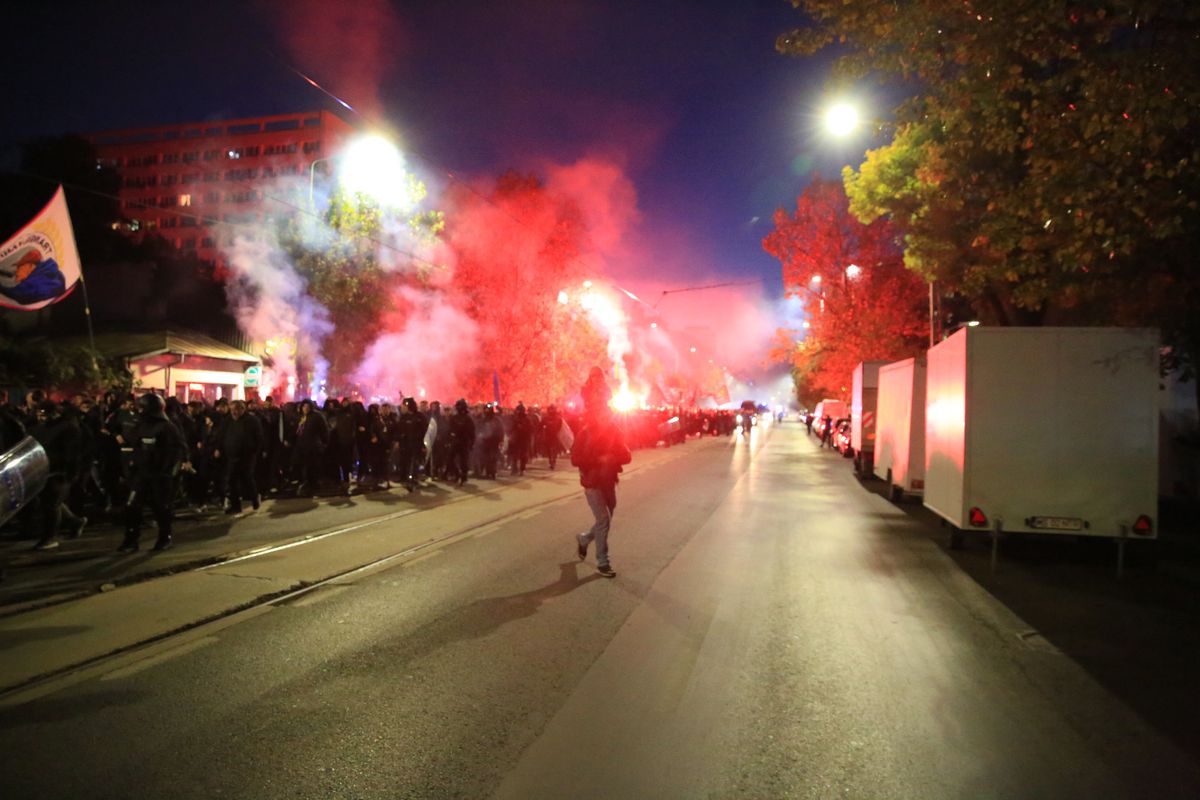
{"points": [[461, 432], [159, 450]]}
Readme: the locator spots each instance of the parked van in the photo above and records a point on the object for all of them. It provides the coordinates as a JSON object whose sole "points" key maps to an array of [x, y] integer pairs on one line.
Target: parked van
{"points": [[836, 409]]}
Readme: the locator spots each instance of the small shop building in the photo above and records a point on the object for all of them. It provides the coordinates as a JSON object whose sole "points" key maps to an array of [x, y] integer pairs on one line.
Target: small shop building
{"points": [[186, 365]]}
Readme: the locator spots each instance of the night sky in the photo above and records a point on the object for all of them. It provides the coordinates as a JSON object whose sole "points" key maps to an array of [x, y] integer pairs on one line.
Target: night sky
{"points": [[713, 128]]}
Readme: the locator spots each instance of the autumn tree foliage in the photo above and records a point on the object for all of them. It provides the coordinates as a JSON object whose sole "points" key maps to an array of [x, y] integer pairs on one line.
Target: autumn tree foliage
{"points": [[1046, 168], [512, 251], [876, 311], [351, 262]]}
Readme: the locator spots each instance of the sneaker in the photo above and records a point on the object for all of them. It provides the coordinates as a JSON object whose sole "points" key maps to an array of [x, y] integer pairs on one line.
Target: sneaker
{"points": [[580, 548], [256, 502], [163, 543], [128, 546], [77, 531], [232, 510], [46, 544], [606, 570]]}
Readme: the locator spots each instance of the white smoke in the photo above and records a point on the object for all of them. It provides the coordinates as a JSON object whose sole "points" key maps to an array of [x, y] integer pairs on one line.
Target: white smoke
{"points": [[270, 302]]}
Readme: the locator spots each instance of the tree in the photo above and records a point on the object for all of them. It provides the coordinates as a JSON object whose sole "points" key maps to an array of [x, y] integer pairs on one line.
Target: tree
{"points": [[351, 264], [1046, 168], [874, 311], [514, 250]]}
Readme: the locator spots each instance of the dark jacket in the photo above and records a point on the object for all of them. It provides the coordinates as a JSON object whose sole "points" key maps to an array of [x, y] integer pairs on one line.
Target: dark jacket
{"points": [[240, 438], [158, 448], [62, 439], [312, 435], [461, 429], [410, 430]]}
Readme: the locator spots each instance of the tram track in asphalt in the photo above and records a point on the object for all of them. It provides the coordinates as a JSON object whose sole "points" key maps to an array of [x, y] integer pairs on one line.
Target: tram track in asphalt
{"points": [[154, 645]]}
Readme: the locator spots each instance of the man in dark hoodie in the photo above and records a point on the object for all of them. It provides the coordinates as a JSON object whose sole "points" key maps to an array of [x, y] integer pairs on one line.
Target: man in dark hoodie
{"points": [[312, 437], [62, 439], [238, 446], [410, 434], [600, 454], [159, 450]]}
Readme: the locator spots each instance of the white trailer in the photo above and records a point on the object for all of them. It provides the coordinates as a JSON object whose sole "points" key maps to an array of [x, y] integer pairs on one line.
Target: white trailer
{"points": [[865, 385], [1043, 430], [900, 427]]}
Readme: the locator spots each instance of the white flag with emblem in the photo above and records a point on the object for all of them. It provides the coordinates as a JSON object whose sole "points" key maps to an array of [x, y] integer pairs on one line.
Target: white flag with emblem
{"points": [[39, 265]]}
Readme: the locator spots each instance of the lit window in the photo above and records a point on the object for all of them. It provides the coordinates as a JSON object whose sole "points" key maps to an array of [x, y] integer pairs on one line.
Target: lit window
{"points": [[185, 199]]}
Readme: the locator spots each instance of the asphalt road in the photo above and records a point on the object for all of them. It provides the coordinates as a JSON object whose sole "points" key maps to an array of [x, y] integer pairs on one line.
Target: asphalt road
{"points": [[774, 630]]}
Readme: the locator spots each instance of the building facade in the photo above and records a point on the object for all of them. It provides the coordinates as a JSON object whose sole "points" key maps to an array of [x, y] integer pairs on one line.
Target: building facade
{"points": [[199, 185]]}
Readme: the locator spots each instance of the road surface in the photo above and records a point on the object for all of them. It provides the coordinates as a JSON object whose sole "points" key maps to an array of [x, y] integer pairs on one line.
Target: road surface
{"points": [[774, 631]]}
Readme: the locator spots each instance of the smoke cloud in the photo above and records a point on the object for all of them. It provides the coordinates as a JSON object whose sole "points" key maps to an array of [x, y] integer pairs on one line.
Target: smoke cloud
{"points": [[270, 302], [346, 47]]}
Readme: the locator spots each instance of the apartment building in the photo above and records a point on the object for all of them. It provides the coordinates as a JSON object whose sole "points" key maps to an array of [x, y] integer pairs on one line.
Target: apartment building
{"points": [[200, 184]]}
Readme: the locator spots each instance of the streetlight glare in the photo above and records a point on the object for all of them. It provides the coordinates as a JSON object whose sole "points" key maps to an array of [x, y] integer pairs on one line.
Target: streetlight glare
{"points": [[841, 119], [375, 167], [853, 271]]}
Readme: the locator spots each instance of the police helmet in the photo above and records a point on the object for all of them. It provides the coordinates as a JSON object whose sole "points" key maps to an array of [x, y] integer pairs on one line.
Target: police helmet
{"points": [[151, 405]]}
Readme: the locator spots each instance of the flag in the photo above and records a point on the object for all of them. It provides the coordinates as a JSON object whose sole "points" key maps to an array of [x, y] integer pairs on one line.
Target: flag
{"points": [[39, 265]]}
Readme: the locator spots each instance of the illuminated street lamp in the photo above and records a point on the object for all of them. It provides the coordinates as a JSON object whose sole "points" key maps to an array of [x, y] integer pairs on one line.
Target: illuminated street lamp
{"points": [[853, 271], [841, 119], [373, 166]]}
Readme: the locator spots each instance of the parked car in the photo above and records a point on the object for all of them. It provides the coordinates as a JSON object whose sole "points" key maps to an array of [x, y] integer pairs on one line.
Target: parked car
{"points": [[841, 437]]}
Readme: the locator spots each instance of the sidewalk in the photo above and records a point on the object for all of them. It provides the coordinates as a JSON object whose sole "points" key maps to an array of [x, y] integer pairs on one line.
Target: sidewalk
{"points": [[84, 601]]}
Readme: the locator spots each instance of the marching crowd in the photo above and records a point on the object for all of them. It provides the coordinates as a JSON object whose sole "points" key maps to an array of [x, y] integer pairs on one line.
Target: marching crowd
{"points": [[115, 454]]}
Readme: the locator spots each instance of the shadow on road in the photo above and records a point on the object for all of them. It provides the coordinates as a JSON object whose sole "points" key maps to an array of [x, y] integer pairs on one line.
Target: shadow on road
{"points": [[476, 620]]}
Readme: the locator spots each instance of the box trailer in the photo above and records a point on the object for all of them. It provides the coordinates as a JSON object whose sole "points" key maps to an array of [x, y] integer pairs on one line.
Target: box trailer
{"points": [[900, 427], [1043, 430], [865, 383]]}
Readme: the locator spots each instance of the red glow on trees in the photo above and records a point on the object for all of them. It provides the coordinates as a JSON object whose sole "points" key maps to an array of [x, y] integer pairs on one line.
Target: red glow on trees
{"points": [[875, 312]]}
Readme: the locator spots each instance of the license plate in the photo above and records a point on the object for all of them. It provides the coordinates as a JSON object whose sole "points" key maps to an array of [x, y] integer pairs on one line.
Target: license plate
{"points": [[1056, 523]]}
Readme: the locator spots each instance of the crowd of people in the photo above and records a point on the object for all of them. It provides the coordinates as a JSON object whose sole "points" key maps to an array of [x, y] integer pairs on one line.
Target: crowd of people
{"points": [[112, 455]]}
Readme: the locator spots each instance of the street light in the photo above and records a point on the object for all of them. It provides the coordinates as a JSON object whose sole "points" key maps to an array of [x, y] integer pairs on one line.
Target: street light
{"points": [[373, 166], [841, 119]]}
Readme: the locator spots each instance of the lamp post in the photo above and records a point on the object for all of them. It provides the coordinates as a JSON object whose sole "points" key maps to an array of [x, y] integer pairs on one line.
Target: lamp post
{"points": [[842, 119], [374, 167], [312, 176]]}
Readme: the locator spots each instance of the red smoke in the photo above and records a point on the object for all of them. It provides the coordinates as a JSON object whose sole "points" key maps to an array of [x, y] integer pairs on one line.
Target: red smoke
{"points": [[348, 48]]}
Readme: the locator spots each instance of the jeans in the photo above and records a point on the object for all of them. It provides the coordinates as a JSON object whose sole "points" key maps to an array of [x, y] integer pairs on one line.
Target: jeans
{"points": [[603, 502]]}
